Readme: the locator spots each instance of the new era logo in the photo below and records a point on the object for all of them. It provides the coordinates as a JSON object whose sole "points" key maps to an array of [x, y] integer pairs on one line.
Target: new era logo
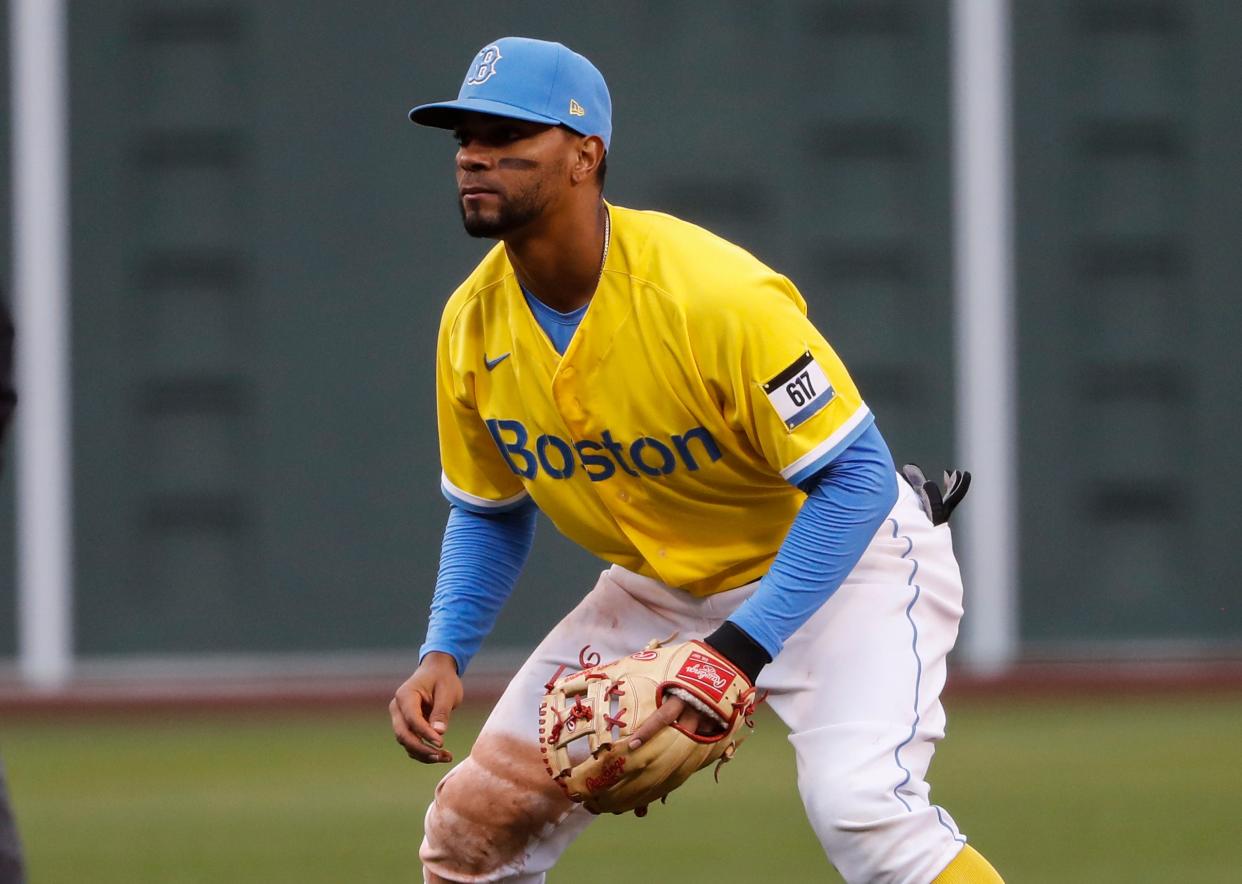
{"points": [[575, 109]]}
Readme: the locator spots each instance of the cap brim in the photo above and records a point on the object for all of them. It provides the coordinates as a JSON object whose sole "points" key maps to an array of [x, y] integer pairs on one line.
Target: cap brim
{"points": [[445, 114]]}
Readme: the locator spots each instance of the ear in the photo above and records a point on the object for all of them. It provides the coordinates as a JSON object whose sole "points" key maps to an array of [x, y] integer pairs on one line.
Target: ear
{"points": [[588, 156]]}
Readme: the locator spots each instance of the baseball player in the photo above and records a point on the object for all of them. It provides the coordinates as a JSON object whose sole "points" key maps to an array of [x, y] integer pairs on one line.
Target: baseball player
{"points": [[11, 868], [662, 397]]}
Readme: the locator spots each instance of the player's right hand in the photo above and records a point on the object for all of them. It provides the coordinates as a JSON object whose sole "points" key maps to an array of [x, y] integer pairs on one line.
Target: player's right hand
{"points": [[421, 707]]}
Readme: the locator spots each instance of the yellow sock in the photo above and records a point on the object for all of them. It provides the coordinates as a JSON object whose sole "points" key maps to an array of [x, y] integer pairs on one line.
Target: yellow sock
{"points": [[969, 867]]}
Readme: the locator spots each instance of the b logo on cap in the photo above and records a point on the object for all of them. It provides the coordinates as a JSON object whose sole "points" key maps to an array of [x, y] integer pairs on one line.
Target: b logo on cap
{"points": [[485, 66]]}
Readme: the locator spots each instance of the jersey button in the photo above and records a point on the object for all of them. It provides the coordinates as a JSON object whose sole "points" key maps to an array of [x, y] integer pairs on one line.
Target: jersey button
{"points": [[623, 496]]}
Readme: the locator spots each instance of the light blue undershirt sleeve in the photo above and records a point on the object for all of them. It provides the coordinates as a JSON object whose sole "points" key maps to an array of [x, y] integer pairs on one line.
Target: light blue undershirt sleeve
{"points": [[481, 557], [847, 501], [483, 553], [558, 326]]}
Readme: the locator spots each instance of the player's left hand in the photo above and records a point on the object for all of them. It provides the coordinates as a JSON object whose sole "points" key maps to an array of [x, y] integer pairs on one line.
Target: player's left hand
{"points": [[674, 710], [622, 711]]}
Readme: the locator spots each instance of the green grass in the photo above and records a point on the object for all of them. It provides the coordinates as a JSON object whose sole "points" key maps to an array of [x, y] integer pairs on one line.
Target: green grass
{"points": [[1074, 791]]}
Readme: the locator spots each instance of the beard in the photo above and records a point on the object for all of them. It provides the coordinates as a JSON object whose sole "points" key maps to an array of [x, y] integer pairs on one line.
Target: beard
{"points": [[511, 213]]}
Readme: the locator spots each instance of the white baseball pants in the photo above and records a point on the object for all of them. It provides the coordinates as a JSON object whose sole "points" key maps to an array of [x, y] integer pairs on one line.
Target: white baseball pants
{"points": [[858, 686]]}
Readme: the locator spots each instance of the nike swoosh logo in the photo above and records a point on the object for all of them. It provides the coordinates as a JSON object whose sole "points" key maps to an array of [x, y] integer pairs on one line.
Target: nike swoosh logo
{"points": [[492, 363]]}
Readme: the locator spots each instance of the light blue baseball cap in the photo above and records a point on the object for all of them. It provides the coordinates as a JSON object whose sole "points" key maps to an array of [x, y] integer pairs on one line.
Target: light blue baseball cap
{"points": [[533, 80]]}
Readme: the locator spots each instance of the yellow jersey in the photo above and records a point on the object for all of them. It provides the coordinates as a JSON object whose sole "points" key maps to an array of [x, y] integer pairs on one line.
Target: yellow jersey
{"points": [[670, 436]]}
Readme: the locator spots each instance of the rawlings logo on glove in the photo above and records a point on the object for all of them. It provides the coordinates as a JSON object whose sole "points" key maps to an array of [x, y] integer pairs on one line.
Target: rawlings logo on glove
{"points": [[706, 672], [605, 704]]}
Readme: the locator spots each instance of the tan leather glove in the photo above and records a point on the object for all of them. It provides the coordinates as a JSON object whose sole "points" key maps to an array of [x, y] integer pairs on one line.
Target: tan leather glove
{"points": [[604, 704]]}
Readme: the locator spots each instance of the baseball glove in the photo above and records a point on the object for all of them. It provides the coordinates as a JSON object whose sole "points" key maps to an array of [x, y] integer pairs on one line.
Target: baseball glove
{"points": [[605, 704]]}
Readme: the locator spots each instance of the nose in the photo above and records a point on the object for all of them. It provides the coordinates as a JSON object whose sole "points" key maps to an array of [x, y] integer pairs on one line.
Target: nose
{"points": [[471, 157]]}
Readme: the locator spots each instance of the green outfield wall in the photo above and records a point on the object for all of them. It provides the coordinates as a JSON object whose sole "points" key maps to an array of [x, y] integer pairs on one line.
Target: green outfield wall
{"points": [[1129, 180], [262, 243]]}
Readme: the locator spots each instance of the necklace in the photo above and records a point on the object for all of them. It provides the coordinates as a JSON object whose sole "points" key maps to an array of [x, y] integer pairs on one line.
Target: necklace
{"points": [[607, 241]]}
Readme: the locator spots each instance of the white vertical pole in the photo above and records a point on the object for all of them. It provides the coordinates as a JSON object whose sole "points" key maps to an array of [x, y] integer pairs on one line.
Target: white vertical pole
{"points": [[986, 375], [41, 309]]}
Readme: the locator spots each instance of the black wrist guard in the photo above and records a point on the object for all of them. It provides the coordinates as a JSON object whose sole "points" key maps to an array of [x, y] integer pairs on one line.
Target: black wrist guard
{"points": [[739, 649]]}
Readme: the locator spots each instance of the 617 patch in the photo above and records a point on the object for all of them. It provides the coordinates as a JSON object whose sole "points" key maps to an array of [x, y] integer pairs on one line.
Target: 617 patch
{"points": [[799, 391]]}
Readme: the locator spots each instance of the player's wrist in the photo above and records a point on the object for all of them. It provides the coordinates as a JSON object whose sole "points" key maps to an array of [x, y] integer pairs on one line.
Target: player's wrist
{"points": [[736, 646], [440, 660]]}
